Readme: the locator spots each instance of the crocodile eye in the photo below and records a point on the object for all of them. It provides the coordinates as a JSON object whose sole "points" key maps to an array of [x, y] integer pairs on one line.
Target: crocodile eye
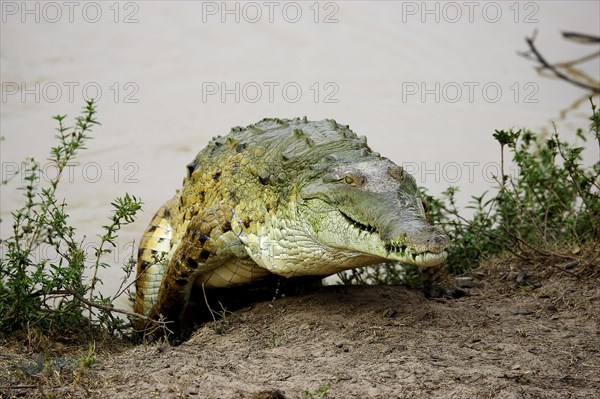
{"points": [[353, 179]]}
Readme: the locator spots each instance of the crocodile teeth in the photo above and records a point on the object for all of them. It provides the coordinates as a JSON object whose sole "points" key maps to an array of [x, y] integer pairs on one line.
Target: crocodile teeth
{"points": [[396, 248], [358, 225]]}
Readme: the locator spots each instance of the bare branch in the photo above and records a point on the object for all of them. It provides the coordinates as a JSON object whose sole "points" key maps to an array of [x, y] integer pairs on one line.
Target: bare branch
{"points": [[109, 309], [581, 37], [552, 68]]}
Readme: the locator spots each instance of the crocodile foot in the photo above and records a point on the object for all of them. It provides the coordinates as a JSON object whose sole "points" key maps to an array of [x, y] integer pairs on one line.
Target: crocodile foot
{"points": [[438, 283], [451, 292]]}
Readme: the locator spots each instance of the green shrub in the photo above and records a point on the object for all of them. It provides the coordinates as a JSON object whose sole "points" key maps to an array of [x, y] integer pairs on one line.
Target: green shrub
{"points": [[51, 294], [551, 208]]}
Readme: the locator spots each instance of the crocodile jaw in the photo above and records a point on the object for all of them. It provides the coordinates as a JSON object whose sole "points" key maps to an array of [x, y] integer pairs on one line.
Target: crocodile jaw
{"points": [[339, 232], [288, 250], [290, 246], [353, 236]]}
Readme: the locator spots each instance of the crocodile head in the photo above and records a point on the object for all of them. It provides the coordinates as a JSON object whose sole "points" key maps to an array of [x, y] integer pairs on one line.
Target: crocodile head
{"points": [[371, 209]]}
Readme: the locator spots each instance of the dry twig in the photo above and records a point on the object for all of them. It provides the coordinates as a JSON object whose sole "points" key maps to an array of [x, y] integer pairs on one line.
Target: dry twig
{"points": [[534, 54]]}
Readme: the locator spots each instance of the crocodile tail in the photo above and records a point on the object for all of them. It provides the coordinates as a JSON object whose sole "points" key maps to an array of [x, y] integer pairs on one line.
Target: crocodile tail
{"points": [[152, 261]]}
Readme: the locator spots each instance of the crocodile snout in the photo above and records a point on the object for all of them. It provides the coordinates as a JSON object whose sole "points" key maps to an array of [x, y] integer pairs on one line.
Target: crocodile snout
{"points": [[436, 240], [417, 235]]}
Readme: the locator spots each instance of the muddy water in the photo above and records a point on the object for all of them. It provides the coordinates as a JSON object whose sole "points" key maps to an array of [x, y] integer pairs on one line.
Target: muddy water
{"points": [[426, 82]]}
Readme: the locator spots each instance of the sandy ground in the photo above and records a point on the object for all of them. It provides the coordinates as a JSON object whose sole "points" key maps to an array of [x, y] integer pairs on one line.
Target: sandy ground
{"points": [[518, 336]]}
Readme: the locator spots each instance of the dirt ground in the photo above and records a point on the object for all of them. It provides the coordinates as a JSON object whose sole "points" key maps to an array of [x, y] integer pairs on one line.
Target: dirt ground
{"points": [[519, 335]]}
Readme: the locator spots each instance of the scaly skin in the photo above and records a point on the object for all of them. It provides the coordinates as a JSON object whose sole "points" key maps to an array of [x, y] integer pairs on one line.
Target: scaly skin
{"points": [[288, 197]]}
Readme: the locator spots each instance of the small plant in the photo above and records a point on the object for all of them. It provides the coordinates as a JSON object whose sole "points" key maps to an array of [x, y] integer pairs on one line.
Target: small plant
{"points": [[51, 293], [320, 393], [87, 361], [277, 338]]}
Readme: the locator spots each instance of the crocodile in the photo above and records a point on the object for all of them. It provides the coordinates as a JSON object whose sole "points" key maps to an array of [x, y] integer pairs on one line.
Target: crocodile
{"points": [[289, 197]]}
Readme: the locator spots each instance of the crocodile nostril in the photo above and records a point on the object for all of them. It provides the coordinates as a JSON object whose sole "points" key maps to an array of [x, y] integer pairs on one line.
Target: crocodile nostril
{"points": [[440, 241], [397, 172]]}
